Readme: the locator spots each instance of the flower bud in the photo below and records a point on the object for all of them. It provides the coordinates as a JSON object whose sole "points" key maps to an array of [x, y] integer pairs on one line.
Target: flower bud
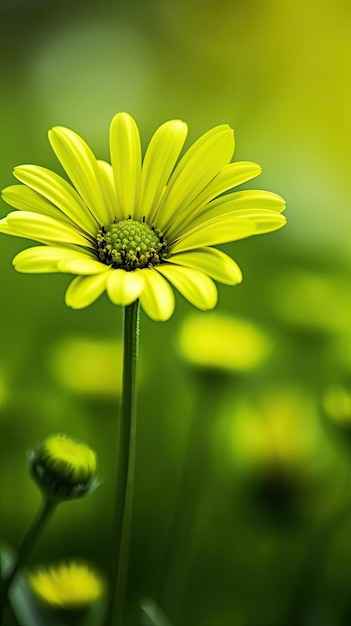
{"points": [[63, 468]]}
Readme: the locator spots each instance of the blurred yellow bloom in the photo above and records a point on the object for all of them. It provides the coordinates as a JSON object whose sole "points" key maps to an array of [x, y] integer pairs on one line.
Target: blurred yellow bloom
{"points": [[281, 428], [97, 365], [67, 585], [223, 342], [63, 468], [133, 227], [337, 405]]}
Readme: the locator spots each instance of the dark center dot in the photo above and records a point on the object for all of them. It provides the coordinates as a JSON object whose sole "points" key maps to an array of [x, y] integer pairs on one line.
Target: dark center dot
{"points": [[130, 245]]}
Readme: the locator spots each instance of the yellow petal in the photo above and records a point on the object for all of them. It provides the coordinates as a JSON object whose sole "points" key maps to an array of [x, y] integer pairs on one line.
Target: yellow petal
{"points": [[229, 176], [79, 162], [26, 199], [251, 199], [195, 286], [222, 229], [59, 192], [157, 297], [212, 262], [265, 221], [109, 192], [44, 259], [82, 265], [7, 229], [39, 259], [126, 162], [240, 202], [159, 161], [43, 228], [84, 290], [197, 168], [124, 287]]}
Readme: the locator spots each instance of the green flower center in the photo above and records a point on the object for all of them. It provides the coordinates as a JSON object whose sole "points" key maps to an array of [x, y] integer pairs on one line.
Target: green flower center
{"points": [[129, 245]]}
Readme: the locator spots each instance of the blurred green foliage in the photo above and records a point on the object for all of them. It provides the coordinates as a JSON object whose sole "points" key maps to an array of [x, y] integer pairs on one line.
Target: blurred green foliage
{"points": [[268, 543]]}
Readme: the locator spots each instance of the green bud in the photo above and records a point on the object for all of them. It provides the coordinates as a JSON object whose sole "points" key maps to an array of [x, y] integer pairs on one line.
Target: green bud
{"points": [[63, 468]]}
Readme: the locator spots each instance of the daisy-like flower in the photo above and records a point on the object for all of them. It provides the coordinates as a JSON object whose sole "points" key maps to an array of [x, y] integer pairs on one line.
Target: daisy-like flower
{"points": [[137, 226]]}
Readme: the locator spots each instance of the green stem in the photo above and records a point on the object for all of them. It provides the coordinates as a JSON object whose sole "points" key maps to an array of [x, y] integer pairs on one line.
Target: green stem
{"points": [[313, 565], [126, 463], [47, 509], [194, 480]]}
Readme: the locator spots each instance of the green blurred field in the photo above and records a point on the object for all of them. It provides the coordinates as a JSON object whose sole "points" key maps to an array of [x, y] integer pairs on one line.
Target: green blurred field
{"points": [[270, 533]]}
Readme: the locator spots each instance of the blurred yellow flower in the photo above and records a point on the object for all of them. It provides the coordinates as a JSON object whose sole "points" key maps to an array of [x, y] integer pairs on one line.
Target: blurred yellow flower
{"points": [[337, 405], [97, 365], [280, 428], [63, 468], [223, 342], [132, 227], [67, 585]]}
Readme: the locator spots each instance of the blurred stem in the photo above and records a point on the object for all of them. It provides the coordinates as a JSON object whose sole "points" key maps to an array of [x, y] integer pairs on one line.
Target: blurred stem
{"points": [[126, 464], [312, 568], [47, 508], [194, 479]]}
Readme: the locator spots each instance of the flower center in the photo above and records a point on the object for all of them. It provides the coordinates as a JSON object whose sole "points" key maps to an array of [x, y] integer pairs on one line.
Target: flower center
{"points": [[129, 245]]}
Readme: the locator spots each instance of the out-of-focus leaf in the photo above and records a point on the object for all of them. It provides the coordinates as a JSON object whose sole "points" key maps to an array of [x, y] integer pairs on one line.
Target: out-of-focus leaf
{"points": [[24, 605], [96, 613], [7, 558], [152, 614]]}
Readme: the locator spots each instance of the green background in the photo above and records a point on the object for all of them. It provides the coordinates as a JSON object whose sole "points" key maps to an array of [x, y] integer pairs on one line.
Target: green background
{"points": [[263, 538]]}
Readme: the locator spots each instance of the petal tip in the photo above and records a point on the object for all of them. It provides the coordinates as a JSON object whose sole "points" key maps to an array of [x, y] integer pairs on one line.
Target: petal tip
{"points": [[57, 131], [122, 117]]}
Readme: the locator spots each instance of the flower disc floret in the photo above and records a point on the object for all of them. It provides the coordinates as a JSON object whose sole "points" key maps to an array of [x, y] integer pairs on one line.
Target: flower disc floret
{"points": [[129, 245], [63, 468]]}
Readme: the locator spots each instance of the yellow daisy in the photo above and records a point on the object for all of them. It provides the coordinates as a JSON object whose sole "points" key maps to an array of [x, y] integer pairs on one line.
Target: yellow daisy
{"points": [[137, 226]]}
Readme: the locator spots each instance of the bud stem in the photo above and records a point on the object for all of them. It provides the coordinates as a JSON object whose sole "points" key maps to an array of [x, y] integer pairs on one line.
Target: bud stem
{"points": [[47, 508], [126, 464]]}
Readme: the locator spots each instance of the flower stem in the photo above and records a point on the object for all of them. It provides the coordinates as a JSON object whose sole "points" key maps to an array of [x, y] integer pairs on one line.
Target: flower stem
{"points": [[313, 565], [46, 511], [194, 480], [126, 463]]}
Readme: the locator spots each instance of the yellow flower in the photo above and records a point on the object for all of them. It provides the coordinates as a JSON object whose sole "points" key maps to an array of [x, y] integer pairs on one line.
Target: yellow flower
{"points": [[280, 428], [337, 405], [223, 342], [67, 585], [135, 227], [63, 468], [96, 363]]}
